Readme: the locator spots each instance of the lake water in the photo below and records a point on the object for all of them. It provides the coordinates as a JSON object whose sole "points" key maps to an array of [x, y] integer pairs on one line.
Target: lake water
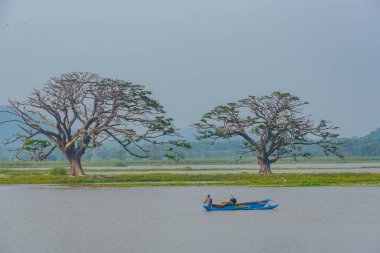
{"points": [[249, 168], [37, 219], [242, 166], [277, 171]]}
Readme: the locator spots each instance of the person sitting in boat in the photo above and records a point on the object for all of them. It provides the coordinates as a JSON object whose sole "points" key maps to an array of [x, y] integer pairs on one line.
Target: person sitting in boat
{"points": [[230, 202], [208, 200]]}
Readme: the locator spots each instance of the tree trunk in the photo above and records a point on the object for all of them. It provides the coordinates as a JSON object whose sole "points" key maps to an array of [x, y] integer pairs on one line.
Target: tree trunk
{"points": [[264, 166], [76, 167]]}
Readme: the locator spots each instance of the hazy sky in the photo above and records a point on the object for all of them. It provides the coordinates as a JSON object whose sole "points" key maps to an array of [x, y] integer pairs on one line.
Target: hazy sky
{"points": [[196, 54]]}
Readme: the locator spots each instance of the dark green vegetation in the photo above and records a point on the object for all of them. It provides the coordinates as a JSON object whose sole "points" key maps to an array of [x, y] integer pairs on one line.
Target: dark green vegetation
{"points": [[58, 170], [223, 152], [242, 179], [365, 148]]}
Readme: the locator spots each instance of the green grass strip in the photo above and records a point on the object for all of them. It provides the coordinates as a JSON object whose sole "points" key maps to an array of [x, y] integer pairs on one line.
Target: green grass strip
{"points": [[240, 179]]}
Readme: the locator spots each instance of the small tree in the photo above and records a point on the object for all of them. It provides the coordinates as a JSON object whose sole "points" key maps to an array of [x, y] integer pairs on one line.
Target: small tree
{"points": [[77, 111], [272, 127]]}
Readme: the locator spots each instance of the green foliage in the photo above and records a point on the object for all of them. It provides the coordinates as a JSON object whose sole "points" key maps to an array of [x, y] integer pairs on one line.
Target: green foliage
{"points": [[35, 146], [58, 170]]}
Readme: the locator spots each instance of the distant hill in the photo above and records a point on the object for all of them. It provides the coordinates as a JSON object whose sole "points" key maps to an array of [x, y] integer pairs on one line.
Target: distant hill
{"points": [[188, 134], [375, 135]]}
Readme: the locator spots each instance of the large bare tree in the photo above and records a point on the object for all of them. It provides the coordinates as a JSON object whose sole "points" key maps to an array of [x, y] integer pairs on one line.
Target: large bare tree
{"points": [[77, 111], [272, 127]]}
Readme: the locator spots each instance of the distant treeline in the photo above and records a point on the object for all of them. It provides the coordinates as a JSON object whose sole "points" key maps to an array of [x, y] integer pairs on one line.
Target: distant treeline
{"points": [[368, 146]]}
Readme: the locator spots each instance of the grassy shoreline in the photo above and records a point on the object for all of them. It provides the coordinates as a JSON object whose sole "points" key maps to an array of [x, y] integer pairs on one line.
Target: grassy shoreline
{"points": [[12, 177]]}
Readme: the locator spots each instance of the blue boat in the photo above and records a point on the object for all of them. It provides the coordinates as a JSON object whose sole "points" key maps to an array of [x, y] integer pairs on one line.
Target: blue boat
{"points": [[256, 205]]}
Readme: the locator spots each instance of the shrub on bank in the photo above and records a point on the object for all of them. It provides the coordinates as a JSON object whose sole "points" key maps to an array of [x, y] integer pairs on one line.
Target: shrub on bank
{"points": [[58, 171]]}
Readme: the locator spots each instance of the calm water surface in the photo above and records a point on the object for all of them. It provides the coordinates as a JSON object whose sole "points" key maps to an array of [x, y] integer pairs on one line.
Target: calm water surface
{"points": [[242, 166], [305, 171], [37, 219]]}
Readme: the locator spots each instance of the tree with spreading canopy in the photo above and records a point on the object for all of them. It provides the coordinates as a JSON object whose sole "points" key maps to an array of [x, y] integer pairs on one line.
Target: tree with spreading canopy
{"points": [[272, 126], [78, 111]]}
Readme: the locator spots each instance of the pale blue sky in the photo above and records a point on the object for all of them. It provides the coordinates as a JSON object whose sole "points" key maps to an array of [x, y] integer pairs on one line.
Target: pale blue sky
{"points": [[196, 54]]}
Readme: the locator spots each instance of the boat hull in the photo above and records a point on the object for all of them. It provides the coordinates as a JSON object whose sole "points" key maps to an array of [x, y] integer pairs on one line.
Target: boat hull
{"points": [[257, 205], [233, 208]]}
